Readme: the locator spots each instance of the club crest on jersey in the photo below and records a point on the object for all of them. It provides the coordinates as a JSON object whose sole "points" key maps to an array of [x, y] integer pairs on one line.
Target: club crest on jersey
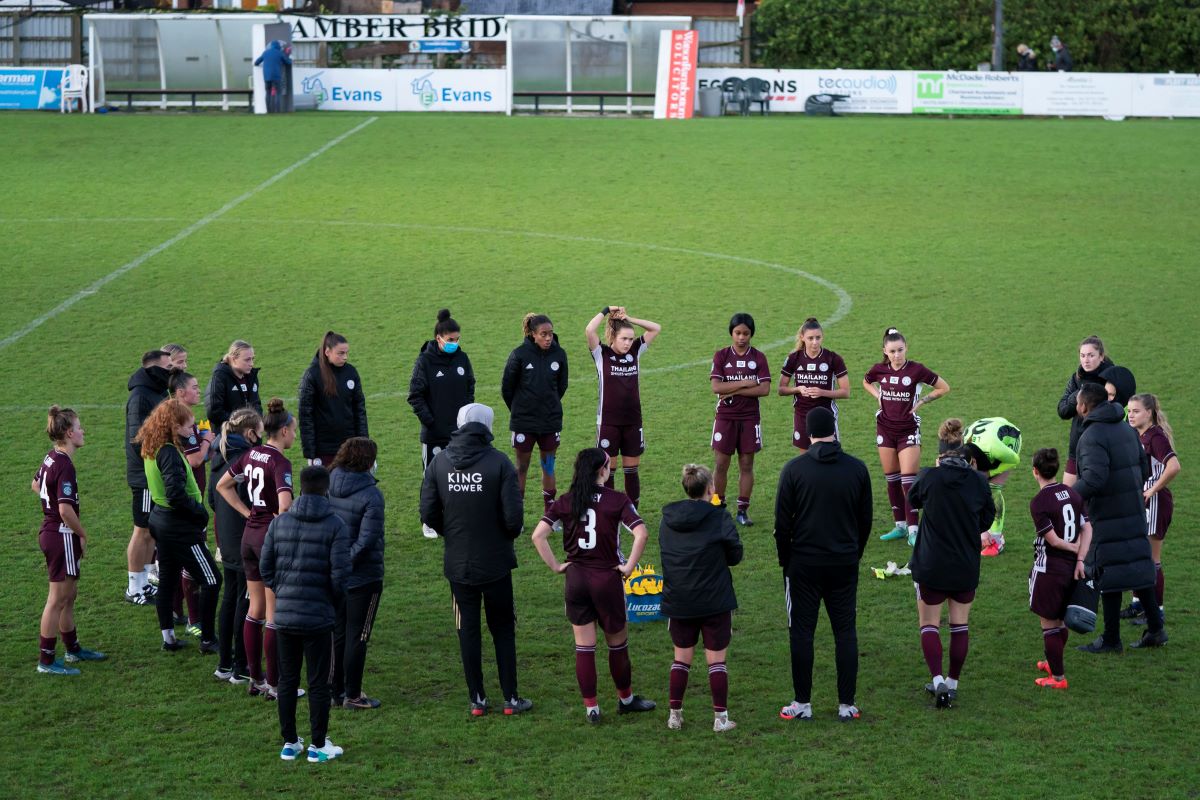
{"points": [[752, 364], [192, 439], [628, 358], [604, 443], [554, 366], [823, 367], [287, 478], [350, 383], [462, 371], [907, 381], [66, 488], [254, 388], [518, 437]]}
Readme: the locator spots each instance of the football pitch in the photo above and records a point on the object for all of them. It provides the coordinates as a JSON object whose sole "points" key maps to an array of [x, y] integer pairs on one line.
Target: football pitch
{"points": [[993, 245]]}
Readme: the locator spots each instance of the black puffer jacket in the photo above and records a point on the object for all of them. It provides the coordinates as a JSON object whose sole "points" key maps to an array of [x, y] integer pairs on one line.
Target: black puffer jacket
{"points": [[440, 385], [306, 562], [533, 385], [822, 508], [956, 507], [470, 494], [228, 522], [1113, 468], [147, 388], [1066, 405], [698, 543], [227, 393], [325, 421], [356, 498]]}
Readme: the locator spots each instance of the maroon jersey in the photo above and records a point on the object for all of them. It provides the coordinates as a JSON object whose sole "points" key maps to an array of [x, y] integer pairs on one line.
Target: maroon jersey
{"points": [[728, 365], [56, 477], [267, 472], [192, 445], [898, 392], [620, 399], [1158, 447], [595, 539], [819, 372], [1059, 508]]}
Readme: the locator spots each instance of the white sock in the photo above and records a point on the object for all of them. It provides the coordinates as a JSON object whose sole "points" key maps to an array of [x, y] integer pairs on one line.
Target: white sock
{"points": [[591, 708], [951, 683], [149, 567], [912, 529], [135, 582], [718, 714], [168, 635], [937, 679], [143, 579], [627, 700]]}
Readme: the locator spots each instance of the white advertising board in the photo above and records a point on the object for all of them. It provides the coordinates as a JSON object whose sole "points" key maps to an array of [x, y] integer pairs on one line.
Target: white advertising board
{"points": [[871, 91], [1166, 96], [786, 92], [966, 92], [403, 89], [1085, 94]]}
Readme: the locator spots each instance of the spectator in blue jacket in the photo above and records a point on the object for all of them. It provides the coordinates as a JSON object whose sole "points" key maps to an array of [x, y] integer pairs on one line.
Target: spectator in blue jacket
{"points": [[272, 61], [356, 498], [306, 562]]}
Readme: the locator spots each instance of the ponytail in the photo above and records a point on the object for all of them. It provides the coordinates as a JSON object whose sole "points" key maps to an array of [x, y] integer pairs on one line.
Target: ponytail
{"points": [[588, 464], [532, 322], [59, 422], [328, 381]]}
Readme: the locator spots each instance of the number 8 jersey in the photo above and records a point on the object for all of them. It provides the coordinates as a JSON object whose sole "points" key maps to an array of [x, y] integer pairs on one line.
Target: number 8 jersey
{"points": [[265, 472], [595, 540], [1060, 508]]}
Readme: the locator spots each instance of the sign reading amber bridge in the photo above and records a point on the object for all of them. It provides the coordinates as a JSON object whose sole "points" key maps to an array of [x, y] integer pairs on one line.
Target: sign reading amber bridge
{"points": [[643, 594], [395, 28]]}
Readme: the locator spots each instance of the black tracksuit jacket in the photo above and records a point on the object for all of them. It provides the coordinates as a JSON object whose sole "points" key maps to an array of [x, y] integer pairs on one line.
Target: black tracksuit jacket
{"points": [[698, 543], [228, 522], [822, 508], [440, 385], [326, 421], [956, 506], [147, 388], [533, 385], [227, 393]]}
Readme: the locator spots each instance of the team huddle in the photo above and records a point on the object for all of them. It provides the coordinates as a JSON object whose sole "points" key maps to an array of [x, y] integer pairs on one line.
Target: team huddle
{"points": [[298, 577]]}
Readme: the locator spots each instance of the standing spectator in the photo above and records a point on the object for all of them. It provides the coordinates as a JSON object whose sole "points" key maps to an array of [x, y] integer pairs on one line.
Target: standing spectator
{"points": [[699, 543], [470, 495], [442, 382], [62, 539], [1062, 56], [958, 509], [1147, 417], [534, 382], [739, 377], [1113, 469], [272, 61], [1027, 60], [1092, 361], [305, 562], [332, 404], [234, 384], [147, 388], [356, 498], [619, 411], [822, 524]]}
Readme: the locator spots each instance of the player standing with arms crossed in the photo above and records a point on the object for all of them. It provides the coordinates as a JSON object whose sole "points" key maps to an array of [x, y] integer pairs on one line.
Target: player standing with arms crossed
{"points": [[619, 411], [1146, 416], [534, 381], [590, 515], [895, 382], [813, 377], [739, 377], [62, 539]]}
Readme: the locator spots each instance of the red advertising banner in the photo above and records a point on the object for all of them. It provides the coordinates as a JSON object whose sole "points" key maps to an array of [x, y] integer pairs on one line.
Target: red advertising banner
{"points": [[675, 92]]}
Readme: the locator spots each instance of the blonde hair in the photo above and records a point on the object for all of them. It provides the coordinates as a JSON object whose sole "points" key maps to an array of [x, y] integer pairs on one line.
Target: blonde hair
{"points": [[696, 480], [1157, 415], [241, 422], [809, 324], [236, 348], [173, 349], [951, 432], [59, 422]]}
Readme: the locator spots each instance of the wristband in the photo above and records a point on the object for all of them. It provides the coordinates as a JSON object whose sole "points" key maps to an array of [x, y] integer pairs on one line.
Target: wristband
{"points": [[605, 310]]}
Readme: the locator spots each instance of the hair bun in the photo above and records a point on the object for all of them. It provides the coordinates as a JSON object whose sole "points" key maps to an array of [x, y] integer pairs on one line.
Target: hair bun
{"points": [[54, 410], [443, 315], [951, 430], [892, 330], [274, 405], [810, 319]]}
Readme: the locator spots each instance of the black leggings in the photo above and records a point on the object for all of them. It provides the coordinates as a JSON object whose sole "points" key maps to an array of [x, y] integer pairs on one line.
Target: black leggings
{"points": [[807, 587], [173, 556], [315, 649], [235, 604], [351, 634]]}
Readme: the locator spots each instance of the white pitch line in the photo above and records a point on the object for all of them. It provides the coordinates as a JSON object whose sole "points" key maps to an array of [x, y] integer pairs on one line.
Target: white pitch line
{"points": [[30, 327]]}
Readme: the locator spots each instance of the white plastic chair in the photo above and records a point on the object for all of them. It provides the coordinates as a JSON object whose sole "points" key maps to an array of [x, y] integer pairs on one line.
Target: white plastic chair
{"points": [[74, 85]]}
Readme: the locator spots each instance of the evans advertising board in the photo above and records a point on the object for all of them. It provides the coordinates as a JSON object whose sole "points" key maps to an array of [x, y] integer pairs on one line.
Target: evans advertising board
{"points": [[966, 93], [30, 89], [403, 89]]}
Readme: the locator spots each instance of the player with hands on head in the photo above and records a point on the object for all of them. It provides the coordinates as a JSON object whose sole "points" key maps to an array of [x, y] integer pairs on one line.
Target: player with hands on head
{"points": [[591, 515], [619, 410], [63, 540], [739, 377], [895, 383], [813, 377]]}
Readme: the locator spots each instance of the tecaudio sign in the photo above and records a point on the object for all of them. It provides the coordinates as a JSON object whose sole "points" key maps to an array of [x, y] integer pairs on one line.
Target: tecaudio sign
{"points": [[395, 28]]}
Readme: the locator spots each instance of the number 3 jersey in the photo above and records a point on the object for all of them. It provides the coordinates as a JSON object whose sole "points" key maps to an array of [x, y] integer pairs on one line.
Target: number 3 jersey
{"points": [[595, 539], [265, 472], [1059, 508]]}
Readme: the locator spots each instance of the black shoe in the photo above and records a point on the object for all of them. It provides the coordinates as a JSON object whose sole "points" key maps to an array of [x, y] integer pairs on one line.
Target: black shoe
{"points": [[1132, 610], [174, 646], [744, 520], [636, 703], [337, 700], [209, 648], [1151, 639], [1099, 646], [942, 693]]}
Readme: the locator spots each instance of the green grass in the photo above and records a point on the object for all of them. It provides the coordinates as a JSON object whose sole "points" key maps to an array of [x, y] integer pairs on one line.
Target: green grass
{"points": [[995, 245]]}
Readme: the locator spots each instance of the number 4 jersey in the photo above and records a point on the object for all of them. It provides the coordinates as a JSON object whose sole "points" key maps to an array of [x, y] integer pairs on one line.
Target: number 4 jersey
{"points": [[1059, 508], [595, 539], [266, 472]]}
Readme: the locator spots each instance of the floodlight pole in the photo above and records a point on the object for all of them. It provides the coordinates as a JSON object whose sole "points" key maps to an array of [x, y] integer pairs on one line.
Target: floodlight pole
{"points": [[998, 38]]}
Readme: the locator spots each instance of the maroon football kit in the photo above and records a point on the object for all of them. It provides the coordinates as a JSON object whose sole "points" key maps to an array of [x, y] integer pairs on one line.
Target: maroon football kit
{"points": [[60, 544], [192, 445], [737, 427], [619, 410], [821, 371], [1057, 508], [267, 472], [896, 423], [1161, 505]]}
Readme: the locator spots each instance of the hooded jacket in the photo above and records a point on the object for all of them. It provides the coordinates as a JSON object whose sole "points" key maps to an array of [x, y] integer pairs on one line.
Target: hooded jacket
{"points": [[440, 385], [470, 494], [147, 388], [956, 508], [1113, 468], [227, 521], [822, 508], [1066, 405], [327, 421], [272, 61], [178, 514], [227, 393], [698, 544], [533, 385], [306, 562], [355, 497]]}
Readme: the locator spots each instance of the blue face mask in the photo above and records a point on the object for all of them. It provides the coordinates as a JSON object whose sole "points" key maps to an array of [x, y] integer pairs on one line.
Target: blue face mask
{"points": [[450, 347]]}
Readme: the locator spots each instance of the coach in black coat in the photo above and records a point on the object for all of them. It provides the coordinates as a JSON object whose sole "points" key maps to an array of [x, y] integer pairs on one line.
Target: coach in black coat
{"points": [[1113, 468], [957, 507], [822, 523], [698, 543]]}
